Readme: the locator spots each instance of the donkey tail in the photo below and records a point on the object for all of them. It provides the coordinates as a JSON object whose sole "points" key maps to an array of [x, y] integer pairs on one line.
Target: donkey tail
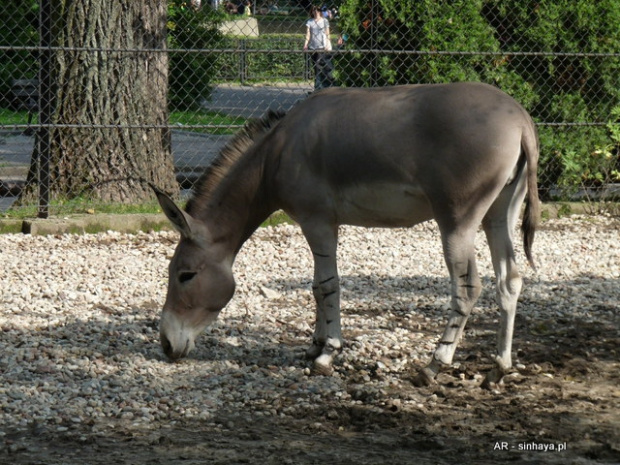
{"points": [[531, 215]]}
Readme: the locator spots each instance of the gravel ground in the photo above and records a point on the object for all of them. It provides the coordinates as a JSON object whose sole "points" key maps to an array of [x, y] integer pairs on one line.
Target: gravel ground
{"points": [[84, 379]]}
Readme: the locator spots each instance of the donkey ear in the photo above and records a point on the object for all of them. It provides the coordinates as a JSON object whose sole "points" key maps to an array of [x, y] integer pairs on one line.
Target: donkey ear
{"points": [[179, 219]]}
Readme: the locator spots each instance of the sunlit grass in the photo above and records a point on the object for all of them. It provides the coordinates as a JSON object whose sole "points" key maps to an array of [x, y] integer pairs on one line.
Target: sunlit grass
{"points": [[81, 206], [207, 122], [10, 119], [86, 206], [214, 123]]}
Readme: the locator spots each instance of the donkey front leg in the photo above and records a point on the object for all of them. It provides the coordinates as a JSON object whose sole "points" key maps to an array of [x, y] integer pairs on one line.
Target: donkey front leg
{"points": [[327, 339], [460, 258]]}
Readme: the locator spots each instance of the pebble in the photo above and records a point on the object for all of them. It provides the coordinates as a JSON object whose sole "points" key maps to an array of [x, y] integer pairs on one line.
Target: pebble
{"points": [[79, 317]]}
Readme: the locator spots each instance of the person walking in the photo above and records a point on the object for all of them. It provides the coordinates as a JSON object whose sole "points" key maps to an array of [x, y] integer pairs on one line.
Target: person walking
{"points": [[318, 42]]}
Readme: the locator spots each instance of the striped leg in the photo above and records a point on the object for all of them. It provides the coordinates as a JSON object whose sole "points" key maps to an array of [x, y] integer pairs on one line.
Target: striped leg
{"points": [[508, 288], [460, 258], [499, 224], [327, 339]]}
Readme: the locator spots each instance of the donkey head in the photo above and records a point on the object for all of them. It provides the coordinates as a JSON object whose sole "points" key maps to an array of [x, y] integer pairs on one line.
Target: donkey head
{"points": [[200, 282]]}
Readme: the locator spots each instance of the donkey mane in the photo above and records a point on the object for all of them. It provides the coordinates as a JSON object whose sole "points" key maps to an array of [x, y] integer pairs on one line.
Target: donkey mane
{"points": [[228, 156]]}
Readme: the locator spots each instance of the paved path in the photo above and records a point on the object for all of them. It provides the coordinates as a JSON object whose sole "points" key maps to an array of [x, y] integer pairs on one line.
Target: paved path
{"points": [[191, 151], [254, 101]]}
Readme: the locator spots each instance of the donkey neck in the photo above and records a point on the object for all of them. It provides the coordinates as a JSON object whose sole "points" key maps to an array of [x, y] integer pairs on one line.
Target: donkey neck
{"points": [[232, 197], [239, 204]]}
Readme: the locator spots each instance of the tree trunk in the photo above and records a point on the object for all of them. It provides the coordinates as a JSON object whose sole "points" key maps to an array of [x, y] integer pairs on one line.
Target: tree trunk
{"points": [[110, 72]]}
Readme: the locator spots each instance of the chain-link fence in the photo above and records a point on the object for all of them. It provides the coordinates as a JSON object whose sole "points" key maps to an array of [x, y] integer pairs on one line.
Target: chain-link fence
{"points": [[99, 98]]}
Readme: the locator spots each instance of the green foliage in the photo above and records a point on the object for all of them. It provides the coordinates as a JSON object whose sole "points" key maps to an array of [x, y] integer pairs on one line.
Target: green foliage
{"points": [[10, 118], [19, 29], [571, 76], [591, 167], [580, 84], [424, 27], [276, 219], [190, 73], [270, 57], [577, 88], [191, 34], [599, 166]]}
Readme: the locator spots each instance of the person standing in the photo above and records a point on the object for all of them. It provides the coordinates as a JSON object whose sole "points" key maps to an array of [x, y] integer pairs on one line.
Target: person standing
{"points": [[318, 42]]}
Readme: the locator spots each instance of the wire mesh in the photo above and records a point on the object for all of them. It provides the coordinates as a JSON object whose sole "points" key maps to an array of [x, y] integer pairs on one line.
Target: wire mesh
{"points": [[157, 88]]}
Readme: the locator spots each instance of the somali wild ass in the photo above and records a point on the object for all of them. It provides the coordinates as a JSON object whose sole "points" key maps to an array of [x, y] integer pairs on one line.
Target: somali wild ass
{"points": [[463, 154]]}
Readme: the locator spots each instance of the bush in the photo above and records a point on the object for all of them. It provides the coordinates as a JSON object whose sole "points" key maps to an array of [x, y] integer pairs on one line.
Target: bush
{"points": [[19, 29], [573, 80], [270, 57], [190, 73], [191, 33], [579, 85]]}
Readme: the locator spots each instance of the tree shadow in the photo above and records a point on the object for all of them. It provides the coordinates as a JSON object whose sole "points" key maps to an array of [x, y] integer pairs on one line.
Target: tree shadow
{"points": [[565, 388]]}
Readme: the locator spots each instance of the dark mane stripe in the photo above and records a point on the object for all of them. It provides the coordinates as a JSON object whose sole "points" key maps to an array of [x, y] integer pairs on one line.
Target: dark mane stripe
{"points": [[228, 157]]}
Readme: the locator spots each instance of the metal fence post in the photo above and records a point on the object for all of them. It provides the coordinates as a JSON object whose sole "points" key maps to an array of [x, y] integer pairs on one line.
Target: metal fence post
{"points": [[374, 22], [45, 90], [308, 71], [243, 66]]}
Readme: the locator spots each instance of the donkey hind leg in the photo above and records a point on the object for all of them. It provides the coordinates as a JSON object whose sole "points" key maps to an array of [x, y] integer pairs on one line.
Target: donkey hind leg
{"points": [[327, 339], [465, 288], [499, 225]]}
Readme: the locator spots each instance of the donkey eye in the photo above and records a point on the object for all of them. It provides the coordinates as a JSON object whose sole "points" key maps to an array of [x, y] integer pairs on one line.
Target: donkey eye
{"points": [[186, 276]]}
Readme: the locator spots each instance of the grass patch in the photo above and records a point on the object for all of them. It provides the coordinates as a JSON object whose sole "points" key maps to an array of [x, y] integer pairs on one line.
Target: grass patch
{"points": [[207, 122], [10, 227], [277, 218], [86, 207], [81, 207], [12, 118], [564, 210], [212, 122]]}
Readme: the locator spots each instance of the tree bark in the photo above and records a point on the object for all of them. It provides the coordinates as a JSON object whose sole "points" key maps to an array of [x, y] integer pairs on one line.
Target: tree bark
{"points": [[111, 75]]}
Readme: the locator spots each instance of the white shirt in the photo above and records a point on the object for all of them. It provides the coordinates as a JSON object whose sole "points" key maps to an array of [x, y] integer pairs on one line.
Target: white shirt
{"points": [[318, 33]]}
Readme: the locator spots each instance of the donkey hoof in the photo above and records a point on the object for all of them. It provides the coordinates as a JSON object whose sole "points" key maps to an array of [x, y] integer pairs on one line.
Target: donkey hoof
{"points": [[322, 367], [424, 378], [321, 370], [493, 379], [314, 351]]}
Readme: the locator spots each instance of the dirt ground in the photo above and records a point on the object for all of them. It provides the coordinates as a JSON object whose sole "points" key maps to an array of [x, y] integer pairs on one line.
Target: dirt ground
{"points": [[563, 408]]}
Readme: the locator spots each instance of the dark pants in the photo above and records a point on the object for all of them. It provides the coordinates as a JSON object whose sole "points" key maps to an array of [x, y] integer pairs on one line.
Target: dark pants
{"points": [[323, 70]]}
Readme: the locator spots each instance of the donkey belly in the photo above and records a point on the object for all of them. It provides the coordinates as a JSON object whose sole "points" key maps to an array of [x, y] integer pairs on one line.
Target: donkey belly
{"points": [[382, 205]]}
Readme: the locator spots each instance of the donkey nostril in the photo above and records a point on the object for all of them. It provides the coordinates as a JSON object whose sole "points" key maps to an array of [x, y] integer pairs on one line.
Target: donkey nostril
{"points": [[187, 348], [166, 346]]}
